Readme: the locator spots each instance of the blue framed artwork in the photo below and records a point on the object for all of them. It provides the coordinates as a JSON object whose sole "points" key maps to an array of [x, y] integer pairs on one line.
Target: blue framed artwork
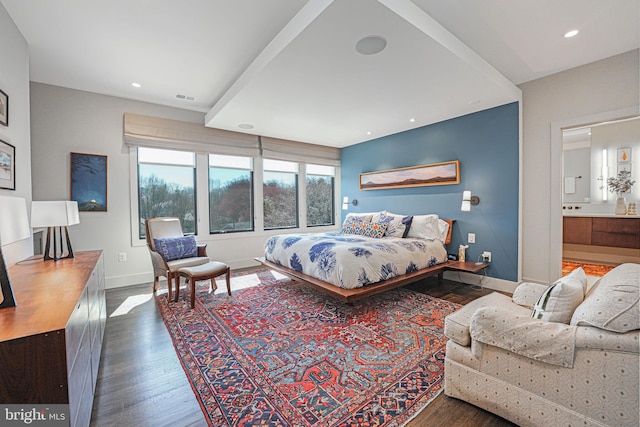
{"points": [[89, 181]]}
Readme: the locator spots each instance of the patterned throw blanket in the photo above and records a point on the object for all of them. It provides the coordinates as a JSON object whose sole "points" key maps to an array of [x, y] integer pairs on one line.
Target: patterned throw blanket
{"points": [[351, 262]]}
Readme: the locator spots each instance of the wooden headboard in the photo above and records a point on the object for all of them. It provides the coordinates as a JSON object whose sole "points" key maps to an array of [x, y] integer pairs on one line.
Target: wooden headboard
{"points": [[450, 222]]}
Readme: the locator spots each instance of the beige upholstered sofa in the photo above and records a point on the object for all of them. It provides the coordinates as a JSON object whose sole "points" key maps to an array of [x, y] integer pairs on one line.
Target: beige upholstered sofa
{"points": [[574, 363]]}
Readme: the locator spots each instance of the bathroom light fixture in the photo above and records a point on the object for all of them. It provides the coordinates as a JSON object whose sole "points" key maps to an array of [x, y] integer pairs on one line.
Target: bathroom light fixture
{"points": [[468, 200], [605, 174], [57, 216]]}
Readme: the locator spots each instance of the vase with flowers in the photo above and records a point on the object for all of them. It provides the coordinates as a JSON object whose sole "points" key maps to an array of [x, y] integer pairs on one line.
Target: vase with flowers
{"points": [[621, 185]]}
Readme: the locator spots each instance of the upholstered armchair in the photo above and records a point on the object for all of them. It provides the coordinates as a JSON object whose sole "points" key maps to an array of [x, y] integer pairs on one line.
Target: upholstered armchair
{"points": [[171, 250]]}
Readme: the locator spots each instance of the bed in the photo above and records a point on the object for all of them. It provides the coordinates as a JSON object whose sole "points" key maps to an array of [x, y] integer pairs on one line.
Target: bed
{"points": [[372, 253]]}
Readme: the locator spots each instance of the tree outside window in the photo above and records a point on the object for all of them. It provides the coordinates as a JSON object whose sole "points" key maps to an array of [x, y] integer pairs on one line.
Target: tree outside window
{"points": [[320, 195], [230, 194], [166, 187], [280, 194]]}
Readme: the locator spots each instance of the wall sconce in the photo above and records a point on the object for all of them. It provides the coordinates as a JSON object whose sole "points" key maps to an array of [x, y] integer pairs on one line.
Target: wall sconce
{"points": [[605, 174], [14, 226], [468, 200], [57, 217], [345, 203]]}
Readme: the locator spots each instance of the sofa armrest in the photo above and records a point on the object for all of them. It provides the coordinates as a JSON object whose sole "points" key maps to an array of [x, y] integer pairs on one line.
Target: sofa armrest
{"points": [[596, 338], [527, 294], [548, 342], [202, 249]]}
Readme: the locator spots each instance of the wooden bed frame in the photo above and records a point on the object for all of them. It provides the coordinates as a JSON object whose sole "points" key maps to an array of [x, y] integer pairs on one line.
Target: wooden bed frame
{"points": [[350, 295]]}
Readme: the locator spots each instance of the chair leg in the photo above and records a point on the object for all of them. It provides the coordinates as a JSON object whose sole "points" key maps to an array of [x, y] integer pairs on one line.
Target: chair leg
{"points": [[228, 277], [170, 285], [177, 293], [193, 292], [155, 283]]}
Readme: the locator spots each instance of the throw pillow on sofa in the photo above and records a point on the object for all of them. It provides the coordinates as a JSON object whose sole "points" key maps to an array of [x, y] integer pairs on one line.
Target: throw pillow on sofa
{"points": [[561, 298], [613, 304]]}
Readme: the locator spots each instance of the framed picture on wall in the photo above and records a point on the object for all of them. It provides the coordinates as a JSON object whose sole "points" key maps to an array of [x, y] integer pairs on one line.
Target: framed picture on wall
{"points": [[89, 181], [624, 155], [4, 108], [414, 176], [7, 166], [623, 167]]}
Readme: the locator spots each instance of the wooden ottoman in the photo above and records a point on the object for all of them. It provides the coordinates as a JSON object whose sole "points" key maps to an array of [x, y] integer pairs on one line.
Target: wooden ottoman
{"points": [[208, 271]]}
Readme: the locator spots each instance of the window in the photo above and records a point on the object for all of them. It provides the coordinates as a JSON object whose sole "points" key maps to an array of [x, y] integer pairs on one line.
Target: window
{"points": [[320, 188], [166, 187], [280, 194], [230, 194]]}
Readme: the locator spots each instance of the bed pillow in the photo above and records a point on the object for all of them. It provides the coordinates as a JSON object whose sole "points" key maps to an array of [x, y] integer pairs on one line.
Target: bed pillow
{"points": [[357, 218], [367, 229], [426, 227], [176, 247], [443, 228], [397, 225], [558, 302]]}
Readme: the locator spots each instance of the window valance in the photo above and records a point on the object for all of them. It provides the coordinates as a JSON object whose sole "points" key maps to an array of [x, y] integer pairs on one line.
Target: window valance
{"points": [[282, 149], [155, 132]]}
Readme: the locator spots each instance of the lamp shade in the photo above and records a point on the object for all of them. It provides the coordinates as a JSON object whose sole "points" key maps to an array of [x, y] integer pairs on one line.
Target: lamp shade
{"points": [[14, 222], [466, 201], [54, 214]]}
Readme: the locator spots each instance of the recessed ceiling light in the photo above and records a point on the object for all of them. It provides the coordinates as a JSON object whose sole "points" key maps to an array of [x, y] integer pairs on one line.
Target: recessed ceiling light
{"points": [[412, 120], [368, 132], [245, 126], [571, 33], [371, 45], [134, 84]]}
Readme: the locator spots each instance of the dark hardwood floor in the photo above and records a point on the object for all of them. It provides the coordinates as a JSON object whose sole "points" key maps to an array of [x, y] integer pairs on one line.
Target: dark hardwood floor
{"points": [[141, 382]]}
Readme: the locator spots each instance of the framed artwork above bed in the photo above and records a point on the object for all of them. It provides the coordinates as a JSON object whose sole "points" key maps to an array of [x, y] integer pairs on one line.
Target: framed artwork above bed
{"points": [[445, 173]]}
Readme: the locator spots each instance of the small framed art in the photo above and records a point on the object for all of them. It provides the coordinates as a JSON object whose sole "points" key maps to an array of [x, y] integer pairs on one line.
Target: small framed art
{"points": [[89, 181], [624, 155], [4, 108], [7, 166]]}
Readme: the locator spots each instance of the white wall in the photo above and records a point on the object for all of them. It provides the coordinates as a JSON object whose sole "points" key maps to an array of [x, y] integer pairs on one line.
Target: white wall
{"points": [[588, 91], [65, 121], [14, 81]]}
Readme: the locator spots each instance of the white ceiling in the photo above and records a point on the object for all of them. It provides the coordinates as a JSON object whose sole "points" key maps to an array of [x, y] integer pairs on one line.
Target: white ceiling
{"points": [[290, 69]]}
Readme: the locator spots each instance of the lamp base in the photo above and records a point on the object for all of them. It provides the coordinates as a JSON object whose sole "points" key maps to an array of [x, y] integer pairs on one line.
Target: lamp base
{"points": [[5, 286], [51, 236]]}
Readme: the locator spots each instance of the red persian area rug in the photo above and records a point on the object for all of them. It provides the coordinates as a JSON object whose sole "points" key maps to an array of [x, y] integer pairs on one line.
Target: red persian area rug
{"points": [[282, 354], [589, 269]]}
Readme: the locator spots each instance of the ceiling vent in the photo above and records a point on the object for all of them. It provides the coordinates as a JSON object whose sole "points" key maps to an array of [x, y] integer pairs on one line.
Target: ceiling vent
{"points": [[186, 97]]}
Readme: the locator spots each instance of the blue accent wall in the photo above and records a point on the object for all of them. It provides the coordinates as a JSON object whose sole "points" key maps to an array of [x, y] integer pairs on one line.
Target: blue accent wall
{"points": [[487, 145]]}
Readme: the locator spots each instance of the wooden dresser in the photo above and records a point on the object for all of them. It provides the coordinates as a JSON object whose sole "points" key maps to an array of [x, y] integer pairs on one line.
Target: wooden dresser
{"points": [[50, 343]]}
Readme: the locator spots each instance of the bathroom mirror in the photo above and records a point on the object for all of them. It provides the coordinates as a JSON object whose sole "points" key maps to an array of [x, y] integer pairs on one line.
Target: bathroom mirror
{"points": [[590, 156]]}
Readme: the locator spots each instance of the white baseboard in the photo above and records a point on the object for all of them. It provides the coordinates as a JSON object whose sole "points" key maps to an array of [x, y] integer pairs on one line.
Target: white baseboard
{"points": [[481, 280]]}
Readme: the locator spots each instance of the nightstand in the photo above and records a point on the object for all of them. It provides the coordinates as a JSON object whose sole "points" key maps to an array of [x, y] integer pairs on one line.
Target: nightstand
{"points": [[467, 266]]}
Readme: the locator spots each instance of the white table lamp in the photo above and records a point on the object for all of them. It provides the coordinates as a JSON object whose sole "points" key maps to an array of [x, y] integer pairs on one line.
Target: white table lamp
{"points": [[56, 216]]}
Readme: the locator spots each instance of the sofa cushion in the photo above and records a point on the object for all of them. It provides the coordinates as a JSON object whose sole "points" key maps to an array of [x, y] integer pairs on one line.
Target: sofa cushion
{"points": [[527, 294], [172, 248], [456, 325], [613, 303], [561, 298]]}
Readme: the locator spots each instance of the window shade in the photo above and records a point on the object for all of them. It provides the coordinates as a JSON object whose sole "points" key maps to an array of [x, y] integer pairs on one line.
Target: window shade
{"points": [[155, 132], [281, 149]]}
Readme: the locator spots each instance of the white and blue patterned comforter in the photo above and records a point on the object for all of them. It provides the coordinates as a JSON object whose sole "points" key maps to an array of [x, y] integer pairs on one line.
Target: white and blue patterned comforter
{"points": [[349, 261]]}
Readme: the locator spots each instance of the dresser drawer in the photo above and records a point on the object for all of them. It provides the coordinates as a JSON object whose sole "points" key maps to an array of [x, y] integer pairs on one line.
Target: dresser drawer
{"points": [[617, 225], [78, 322]]}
